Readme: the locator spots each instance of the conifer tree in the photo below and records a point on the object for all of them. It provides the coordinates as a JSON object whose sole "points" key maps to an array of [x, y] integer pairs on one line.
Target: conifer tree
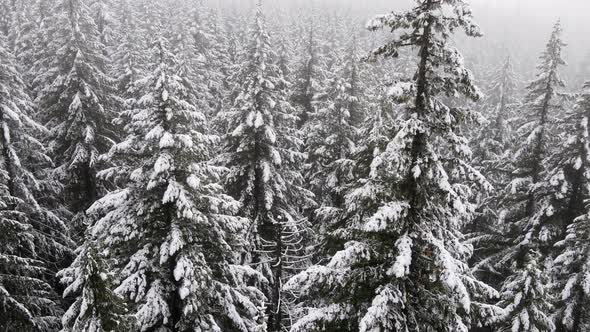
{"points": [[333, 131], [307, 82], [128, 60], [236, 37], [530, 212], [101, 11], [75, 100], [373, 136], [196, 46], [32, 236], [6, 15], [499, 106], [210, 54], [571, 176], [404, 267], [170, 226], [262, 152], [20, 37], [332, 135], [96, 307], [493, 146], [31, 42]]}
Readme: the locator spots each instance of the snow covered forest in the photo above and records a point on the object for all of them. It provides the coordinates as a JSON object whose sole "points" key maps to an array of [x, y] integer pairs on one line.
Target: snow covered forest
{"points": [[292, 165]]}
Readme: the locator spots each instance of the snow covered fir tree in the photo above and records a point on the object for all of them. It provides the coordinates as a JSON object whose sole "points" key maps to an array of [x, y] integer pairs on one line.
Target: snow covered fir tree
{"points": [[570, 176], [294, 166], [169, 208], [531, 211], [75, 79], [404, 266], [32, 235], [263, 155]]}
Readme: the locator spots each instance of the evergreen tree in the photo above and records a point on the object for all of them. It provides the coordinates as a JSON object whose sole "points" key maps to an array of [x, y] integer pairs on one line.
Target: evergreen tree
{"points": [[75, 100], [170, 227], [250, 154], [493, 146], [285, 54], [333, 132], [31, 42], [128, 60], [96, 307], [24, 26], [529, 210], [101, 11], [150, 15], [373, 136], [32, 236], [404, 265], [236, 37], [262, 152], [6, 15], [499, 106], [572, 178], [307, 82], [210, 54]]}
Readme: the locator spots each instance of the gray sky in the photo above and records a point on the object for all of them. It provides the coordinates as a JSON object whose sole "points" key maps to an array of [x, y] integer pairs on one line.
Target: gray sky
{"points": [[520, 27], [534, 17], [504, 18], [523, 26]]}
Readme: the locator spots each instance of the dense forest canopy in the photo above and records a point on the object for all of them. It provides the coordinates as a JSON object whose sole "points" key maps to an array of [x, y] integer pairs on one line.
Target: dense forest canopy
{"points": [[294, 165]]}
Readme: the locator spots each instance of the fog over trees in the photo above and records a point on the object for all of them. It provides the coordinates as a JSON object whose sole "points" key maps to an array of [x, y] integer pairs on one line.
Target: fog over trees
{"points": [[294, 165]]}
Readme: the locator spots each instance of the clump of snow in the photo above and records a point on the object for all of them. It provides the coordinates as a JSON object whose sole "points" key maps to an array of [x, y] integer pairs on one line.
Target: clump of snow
{"points": [[387, 215], [400, 89], [401, 267]]}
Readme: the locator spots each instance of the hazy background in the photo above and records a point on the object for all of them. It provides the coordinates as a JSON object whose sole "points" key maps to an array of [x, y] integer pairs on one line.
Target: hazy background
{"points": [[519, 28], [523, 27]]}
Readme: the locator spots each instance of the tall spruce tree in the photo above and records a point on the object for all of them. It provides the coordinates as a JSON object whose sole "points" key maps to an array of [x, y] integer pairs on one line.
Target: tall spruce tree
{"points": [[492, 149], [170, 227], [75, 99], [210, 53], [404, 265], [307, 82], [374, 134], [332, 131], [7, 8], [31, 43], [22, 32], [530, 213], [129, 61], [32, 236], [102, 13], [262, 152], [499, 106], [571, 177], [96, 308]]}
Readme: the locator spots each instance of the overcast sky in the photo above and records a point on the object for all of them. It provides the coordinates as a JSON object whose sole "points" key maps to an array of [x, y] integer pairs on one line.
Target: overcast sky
{"points": [[522, 27], [507, 18], [520, 18], [534, 17]]}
